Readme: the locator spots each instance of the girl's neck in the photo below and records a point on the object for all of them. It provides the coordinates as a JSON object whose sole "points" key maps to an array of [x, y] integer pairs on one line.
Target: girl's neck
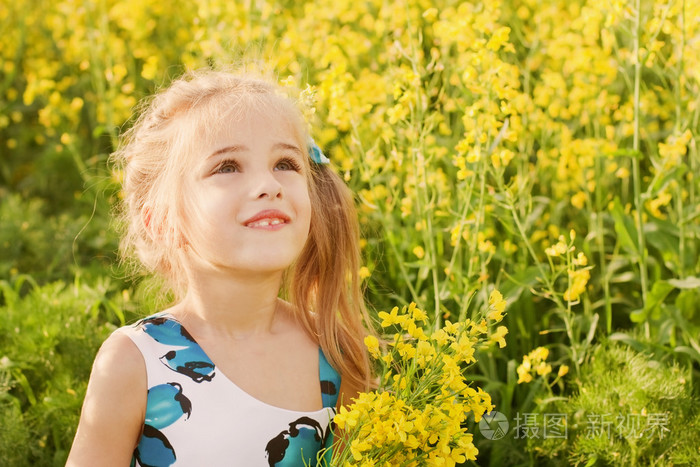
{"points": [[238, 308]]}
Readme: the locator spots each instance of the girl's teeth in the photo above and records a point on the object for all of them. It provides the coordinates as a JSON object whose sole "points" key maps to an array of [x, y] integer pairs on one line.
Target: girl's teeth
{"points": [[266, 223]]}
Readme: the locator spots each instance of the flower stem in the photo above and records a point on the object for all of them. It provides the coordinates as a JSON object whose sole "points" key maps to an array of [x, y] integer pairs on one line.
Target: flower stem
{"points": [[636, 177], [679, 190]]}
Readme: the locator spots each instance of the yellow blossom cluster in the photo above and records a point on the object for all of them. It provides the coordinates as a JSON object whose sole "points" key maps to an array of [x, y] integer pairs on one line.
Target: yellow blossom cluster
{"points": [[575, 265], [535, 361], [416, 417], [434, 111], [399, 431], [674, 148]]}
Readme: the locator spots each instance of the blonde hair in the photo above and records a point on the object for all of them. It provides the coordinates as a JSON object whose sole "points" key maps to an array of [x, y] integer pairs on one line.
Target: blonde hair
{"points": [[323, 284]]}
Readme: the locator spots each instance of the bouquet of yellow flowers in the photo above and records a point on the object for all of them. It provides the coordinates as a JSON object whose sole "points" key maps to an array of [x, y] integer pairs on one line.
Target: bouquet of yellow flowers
{"points": [[417, 415]]}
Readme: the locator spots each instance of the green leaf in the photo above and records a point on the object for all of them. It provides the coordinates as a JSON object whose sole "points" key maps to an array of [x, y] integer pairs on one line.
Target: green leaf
{"points": [[24, 384], [625, 229], [592, 329], [690, 282], [661, 182], [518, 283], [656, 297], [628, 340], [628, 152], [694, 354], [687, 304], [664, 236]]}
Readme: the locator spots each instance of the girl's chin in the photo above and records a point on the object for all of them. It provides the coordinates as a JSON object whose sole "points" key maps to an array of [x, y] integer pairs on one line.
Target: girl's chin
{"points": [[256, 267], [254, 259]]}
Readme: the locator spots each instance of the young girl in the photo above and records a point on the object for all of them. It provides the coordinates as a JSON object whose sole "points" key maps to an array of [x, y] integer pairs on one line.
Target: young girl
{"points": [[228, 199]]}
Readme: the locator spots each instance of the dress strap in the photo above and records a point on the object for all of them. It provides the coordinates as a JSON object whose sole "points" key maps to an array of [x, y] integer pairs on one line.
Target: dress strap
{"points": [[330, 381]]}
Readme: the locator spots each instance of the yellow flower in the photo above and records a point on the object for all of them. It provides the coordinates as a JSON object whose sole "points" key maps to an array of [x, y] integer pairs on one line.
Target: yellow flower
{"points": [[418, 314], [534, 360], [430, 14], [580, 259], [675, 147], [357, 447], [657, 203], [499, 38], [478, 328], [150, 68], [539, 354], [464, 349], [579, 200], [453, 328], [414, 330], [389, 319], [364, 272], [440, 337], [499, 336], [372, 344], [497, 306], [622, 172], [474, 155], [543, 369], [418, 419], [407, 351], [424, 353], [578, 280], [289, 81], [419, 252], [563, 370], [557, 250], [524, 375], [509, 247]]}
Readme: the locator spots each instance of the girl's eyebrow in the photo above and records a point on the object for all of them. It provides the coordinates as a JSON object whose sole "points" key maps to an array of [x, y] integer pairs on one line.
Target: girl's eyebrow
{"points": [[289, 147], [239, 148], [227, 149]]}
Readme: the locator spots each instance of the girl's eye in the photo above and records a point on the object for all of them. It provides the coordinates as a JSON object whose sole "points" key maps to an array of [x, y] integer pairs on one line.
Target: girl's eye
{"points": [[288, 164], [227, 167]]}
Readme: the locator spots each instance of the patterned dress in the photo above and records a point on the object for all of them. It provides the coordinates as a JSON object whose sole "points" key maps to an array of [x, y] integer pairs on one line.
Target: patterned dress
{"points": [[196, 416]]}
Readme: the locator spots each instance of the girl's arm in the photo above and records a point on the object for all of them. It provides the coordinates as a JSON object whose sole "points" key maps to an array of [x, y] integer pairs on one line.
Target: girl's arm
{"points": [[114, 407]]}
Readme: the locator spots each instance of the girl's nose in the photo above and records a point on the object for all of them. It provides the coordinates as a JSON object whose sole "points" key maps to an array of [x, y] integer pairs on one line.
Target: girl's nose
{"points": [[265, 185]]}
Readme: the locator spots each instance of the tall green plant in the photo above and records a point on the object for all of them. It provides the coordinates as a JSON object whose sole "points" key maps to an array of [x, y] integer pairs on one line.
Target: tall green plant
{"points": [[48, 338]]}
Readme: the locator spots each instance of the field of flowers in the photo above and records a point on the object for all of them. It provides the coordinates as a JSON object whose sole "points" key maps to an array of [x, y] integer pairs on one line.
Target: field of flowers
{"points": [[545, 149]]}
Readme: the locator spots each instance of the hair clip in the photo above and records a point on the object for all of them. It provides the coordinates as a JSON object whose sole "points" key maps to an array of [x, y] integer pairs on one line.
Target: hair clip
{"points": [[316, 154]]}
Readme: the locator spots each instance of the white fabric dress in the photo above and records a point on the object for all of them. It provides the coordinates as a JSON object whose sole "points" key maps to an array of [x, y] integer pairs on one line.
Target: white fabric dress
{"points": [[196, 416]]}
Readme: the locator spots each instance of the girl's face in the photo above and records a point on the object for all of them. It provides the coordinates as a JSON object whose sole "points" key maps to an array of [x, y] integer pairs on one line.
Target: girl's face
{"points": [[246, 197]]}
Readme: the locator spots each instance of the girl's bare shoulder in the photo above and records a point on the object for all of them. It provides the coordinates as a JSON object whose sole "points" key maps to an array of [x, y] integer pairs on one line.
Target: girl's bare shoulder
{"points": [[119, 358]]}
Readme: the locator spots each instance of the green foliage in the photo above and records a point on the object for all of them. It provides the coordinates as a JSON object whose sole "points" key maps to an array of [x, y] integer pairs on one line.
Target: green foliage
{"points": [[626, 409], [53, 245], [48, 338]]}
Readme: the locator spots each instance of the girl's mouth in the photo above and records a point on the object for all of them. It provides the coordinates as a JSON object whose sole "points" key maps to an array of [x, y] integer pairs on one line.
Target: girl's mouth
{"points": [[266, 223], [267, 219]]}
